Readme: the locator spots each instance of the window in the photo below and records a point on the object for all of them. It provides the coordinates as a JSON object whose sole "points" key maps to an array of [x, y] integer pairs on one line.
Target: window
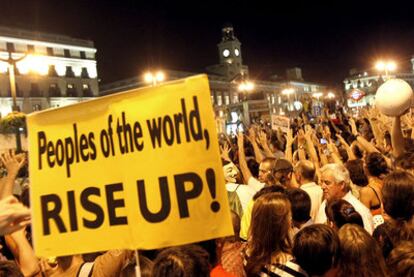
{"points": [[52, 71], [30, 49], [226, 100], [212, 99], [37, 107], [84, 73], [49, 51], [235, 98], [219, 100], [66, 53], [71, 91], [86, 90], [69, 72], [34, 90], [54, 90], [82, 54], [10, 47]]}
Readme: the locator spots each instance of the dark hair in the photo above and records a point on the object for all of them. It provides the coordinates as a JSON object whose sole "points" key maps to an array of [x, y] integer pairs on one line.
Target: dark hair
{"points": [[315, 248], [357, 152], [9, 269], [359, 253], [185, 261], [253, 166], [269, 231], [398, 195], [376, 164], [405, 161], [343, 154], [300, 204], [269, 189], [145, 266], [340, 212], [401, 260], [356, 172]]}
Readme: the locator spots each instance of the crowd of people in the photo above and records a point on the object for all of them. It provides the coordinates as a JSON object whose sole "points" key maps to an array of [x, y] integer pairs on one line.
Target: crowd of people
{"points": [[334, 196]]}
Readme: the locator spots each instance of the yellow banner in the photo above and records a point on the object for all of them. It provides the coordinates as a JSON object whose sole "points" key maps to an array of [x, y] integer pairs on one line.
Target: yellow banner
{"points": [[134, 170]]}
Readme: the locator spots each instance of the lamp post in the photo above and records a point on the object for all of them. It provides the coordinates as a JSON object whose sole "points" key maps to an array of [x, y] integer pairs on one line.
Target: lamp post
{"points": [[11, 63], [154, 78], [386, 67]]}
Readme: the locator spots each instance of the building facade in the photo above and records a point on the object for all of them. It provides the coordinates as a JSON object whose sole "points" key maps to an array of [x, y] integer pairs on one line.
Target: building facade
{"points": [[234, 104], [54, 70], [361, 86]]}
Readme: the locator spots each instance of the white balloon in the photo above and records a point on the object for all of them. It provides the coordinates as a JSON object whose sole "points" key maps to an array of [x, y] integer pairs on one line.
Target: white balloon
{"points": [[394, 97]]}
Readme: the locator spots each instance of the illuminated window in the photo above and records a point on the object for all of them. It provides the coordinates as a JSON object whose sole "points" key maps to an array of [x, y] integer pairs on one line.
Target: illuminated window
{"points": [[86, 90], [37, 107], [226, 100], [212, 99], [219, 100], [71, 91], [54, 90]]}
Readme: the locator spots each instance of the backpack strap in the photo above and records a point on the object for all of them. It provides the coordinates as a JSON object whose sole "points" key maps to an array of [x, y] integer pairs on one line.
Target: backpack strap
{"points": [[85, 270]]}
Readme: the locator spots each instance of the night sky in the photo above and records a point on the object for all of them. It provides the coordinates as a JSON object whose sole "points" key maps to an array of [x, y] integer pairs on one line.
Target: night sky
{"points": [[324, 38]]}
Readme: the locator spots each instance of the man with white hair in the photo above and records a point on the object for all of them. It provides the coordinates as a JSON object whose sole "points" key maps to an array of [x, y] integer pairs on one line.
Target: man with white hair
{"points": [[335, 183]]}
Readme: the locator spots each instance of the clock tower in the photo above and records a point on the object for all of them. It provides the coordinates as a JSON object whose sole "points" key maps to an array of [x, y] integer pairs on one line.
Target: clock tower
{"points": [[230, 56], [229, 47]]}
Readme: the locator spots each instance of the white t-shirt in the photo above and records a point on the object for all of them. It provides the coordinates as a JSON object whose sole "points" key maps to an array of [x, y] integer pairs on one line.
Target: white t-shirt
{"points": [[244, 192], [358, 206], [255, 184], [316, 194]]}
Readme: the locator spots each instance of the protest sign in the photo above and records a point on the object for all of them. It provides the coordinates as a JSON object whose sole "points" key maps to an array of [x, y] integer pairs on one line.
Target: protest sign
{"points": [[281, 122], [134, 170]]}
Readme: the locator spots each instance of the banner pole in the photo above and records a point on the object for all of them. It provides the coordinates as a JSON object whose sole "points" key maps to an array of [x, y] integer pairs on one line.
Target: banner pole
{"points": [[137, 268]]}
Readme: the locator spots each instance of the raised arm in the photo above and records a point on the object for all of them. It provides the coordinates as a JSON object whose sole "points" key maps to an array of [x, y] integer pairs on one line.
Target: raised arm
{"points": [[23, 253], [351, 155], [13, 163], [397, 138], [289, 142], [242, 159], [257, 152], [264, 144]]}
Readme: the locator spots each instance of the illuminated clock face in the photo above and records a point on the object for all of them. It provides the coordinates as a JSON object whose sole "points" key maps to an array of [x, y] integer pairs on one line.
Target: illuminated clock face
{"points": [[226, 53], [236, 52]]}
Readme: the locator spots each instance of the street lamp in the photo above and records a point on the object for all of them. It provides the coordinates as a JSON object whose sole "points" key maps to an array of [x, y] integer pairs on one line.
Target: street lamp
{"points": [[330, 95], [386, 67], [154, 77], [246, 86], [11, 64]]}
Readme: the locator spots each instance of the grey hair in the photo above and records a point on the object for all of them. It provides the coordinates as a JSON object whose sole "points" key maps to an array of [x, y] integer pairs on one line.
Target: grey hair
{"points": [[339, 172]]}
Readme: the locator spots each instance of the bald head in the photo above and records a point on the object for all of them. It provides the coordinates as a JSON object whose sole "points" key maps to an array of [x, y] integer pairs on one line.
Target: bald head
{"points": [[306, 170]]}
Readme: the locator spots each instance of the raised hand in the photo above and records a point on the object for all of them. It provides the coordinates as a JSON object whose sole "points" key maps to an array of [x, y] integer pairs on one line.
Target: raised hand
{"points": [[13, 215], [224, 152], [12, 162]]}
